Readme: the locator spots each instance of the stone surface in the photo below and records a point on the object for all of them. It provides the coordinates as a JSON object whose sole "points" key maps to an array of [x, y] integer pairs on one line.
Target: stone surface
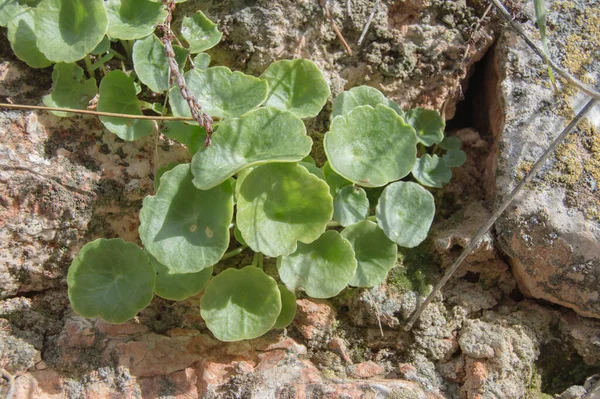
{"points": [[551, 234]]}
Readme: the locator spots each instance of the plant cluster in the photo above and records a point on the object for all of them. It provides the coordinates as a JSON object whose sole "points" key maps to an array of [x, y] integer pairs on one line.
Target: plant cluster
{"points": [[255, 180]]}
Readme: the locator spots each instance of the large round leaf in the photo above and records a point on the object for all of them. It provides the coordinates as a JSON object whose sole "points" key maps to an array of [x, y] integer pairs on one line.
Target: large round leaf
{"points": [[350, 206], [260, 136], [240, 304], [288, 308], [178, 287], [374, 253], [432, 171], [221, 93], [186, 229], [322, 268], [70, 89], [151, 64], [112, 279], [117, 94], [358, 96], [67, 30], [21, 35], [280, 204], [200, 33], [335, 181], [371, 146], [428, 124], [133, 19], [297, 86], [405, 212]]}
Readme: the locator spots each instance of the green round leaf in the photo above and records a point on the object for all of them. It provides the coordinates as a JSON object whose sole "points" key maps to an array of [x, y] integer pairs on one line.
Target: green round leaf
{"points": [[297, 86], [260, 136], [371, 146], [221, 92], [322, 268], [428, 124], [117, 94], [202, 61], [151, 64], [359, 96], [455, 158], [240, 304], [102, 47], [238, 236], [184, 228], [67, 30], [312, 168], [280, 204], [334, 181], [8, 10], [161, 171], [350, 206], [70, 89], [21, 35], [112, 279], [133, 19], [288, 308], [374, 253], [192, 136], [431, 171], [405, 212], [200, 33], [177, 287], [451, 143]]}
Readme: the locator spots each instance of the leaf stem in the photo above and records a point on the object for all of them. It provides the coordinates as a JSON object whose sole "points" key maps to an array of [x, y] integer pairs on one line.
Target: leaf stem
{"points": [[89, 67], [97, 113], [128, 47], [234, 252], [258, 260], [333, 223], [117, 55]]}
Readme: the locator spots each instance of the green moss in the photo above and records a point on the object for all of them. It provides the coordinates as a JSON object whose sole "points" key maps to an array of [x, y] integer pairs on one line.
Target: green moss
{"points": [[417, 269]]}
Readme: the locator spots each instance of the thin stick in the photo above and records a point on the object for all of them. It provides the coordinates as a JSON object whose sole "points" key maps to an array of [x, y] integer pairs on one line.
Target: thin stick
{"points": [[368, 24], [97, 113], [335, 28], [505, 203], [11, 382], [564, 73]]}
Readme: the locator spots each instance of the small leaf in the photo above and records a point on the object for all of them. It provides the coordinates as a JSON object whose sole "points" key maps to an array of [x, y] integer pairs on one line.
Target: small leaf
{"points": [[102, 47], [238, 236], [428, 124], [133, 19], [117, 94], [200, 33], [374, 253], [405, 212], [451, 143], [177, 287], [260, 136], [322, 268], [280, 204], [240, 304], [288, 308], [192, 136], [161, 171], [151, 64], [112, 279], [67, 30], [297, 86], [221, 92], [371, 146], [70, 89], [21, 35], [431, 171], [350, 206], [455, 158], [313, 169], [359, 96], [202, 61], [334, 181], [184, 228]]}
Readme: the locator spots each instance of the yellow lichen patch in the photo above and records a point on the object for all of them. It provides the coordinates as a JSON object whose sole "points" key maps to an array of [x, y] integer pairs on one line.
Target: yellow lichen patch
{"points": [[523, 169], [568, 163]]}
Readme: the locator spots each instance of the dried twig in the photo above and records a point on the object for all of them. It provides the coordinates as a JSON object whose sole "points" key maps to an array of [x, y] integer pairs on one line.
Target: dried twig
{"points": [[96, 113], [507, 201], [11, 382], [199, 116], [368, 24], [539, 51], [335, 28]]}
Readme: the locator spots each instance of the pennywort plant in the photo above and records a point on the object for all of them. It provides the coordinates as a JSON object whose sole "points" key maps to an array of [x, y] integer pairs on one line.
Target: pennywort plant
{"points": [[253, 186]]}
